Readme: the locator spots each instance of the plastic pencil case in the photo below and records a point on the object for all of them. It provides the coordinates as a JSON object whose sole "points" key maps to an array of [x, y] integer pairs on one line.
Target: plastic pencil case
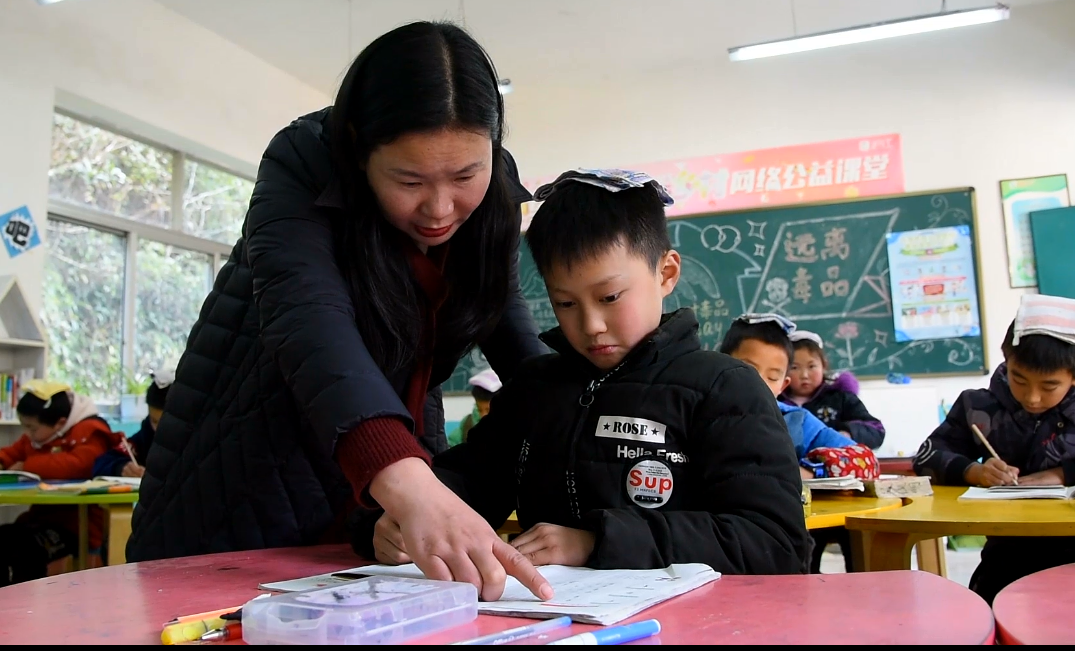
{"points": [[374, 610]]}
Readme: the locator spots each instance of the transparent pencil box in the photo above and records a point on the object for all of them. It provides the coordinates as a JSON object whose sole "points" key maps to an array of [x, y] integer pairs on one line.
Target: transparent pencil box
{"points": [[374, 610]]}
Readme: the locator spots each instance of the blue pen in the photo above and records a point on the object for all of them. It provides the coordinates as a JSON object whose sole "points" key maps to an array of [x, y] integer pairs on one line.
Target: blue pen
{"points": [[512, 634], [615, 634]]}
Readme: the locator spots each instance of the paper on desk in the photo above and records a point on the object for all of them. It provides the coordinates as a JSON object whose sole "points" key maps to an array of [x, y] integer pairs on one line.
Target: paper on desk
{"points": [[835, 483], [588, 596], [1019, 493]]}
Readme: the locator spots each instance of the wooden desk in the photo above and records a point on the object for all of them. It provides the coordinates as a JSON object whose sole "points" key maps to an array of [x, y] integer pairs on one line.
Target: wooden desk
{"points": [[1037, 609], [827, 509], [883, 540], [127, 604], [33, 496]]}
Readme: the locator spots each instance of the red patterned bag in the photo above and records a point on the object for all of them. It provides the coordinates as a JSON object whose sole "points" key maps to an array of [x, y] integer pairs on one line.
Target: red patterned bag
{"points": [[852, 461]]}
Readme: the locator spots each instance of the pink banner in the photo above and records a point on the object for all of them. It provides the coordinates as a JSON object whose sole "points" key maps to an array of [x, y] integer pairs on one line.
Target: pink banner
{"points": [[823, 171]]}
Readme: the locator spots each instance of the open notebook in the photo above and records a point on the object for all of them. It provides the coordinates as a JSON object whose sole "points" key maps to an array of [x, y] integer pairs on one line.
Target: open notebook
{"points": [[588, 596], [1019, 493]]}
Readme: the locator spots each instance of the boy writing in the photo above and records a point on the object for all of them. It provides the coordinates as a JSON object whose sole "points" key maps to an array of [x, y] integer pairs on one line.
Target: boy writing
{"points": [[1028, 416], [630, 446], [117, 462]]}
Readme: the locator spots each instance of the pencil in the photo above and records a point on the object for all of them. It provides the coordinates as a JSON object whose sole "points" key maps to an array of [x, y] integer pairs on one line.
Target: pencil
{"points": [[985, 442], [127, 449]]}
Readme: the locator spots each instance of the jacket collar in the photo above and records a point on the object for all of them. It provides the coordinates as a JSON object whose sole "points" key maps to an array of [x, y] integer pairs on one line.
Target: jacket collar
{"points": [[676, 336]]}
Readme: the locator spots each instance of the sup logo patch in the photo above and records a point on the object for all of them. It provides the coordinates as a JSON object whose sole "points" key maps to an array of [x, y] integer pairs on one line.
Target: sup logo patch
{"points": [[649, 484]]}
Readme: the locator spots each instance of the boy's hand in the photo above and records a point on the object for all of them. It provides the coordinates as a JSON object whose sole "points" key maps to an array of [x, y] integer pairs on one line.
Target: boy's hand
{"points": [[132, 469], [18, 465], [805, 474], [388, 545], [1051, 477], [993, 472], [549, 544]]}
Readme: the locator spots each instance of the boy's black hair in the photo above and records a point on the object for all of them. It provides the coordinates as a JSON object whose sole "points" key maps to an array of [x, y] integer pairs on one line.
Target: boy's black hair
{"points": [[47, 412], [768, 333], [156, 396], [806, 344], [485, 395], [1039, 353], [579, 222]]}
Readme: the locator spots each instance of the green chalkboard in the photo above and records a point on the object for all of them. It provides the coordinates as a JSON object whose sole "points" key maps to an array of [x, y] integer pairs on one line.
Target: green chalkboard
{"points": [[823, 265], [1053, 232]]}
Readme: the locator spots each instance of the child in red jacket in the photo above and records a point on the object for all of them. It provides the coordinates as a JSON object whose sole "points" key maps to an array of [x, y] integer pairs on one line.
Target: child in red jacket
{"points": [[63, 436]]}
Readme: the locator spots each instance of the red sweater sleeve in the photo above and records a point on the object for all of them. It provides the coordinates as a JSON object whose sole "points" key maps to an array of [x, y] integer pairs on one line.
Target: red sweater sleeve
{"points": [[370, 448], [15, 452]]}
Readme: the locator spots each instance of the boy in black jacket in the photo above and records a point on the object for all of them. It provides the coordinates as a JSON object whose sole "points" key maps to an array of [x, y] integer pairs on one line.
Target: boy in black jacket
{"points": [[630, 446]]}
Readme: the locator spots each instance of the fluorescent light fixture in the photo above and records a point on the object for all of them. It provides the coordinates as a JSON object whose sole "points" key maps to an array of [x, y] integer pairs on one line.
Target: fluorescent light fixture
{"points": [[48, 2], [504, 86], [874, 32]]}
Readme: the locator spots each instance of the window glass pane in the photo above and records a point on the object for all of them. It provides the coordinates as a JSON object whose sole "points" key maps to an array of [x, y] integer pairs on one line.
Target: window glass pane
{"points": [[214, 202], [172, 284], [84, 308], [109, 172]]}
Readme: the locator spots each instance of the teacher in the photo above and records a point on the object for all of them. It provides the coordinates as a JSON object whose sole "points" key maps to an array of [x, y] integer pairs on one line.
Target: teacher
{"points": [[380, 245]]}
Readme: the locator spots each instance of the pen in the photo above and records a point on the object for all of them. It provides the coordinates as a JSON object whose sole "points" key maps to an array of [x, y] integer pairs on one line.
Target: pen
{"points": [[512, 634], [199, 616], [985, 442], [614, 634], [231, 631]]}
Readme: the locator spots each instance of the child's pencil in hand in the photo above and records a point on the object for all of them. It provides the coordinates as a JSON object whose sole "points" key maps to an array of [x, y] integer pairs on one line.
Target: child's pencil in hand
{"points": [[985, 442]]}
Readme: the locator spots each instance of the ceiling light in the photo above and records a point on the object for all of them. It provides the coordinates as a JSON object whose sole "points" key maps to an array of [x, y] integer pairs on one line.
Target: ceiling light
{"points": [[48, 2], [874, 32], [504, 86]]}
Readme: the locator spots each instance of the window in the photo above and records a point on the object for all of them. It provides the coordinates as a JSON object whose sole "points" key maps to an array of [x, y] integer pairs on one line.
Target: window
{"points": [[132, 254]]}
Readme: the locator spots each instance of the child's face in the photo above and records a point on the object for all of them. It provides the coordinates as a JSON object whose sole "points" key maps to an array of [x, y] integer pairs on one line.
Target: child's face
{"points": [[771, 362], [806, 373], [608, 304], [1038, 392], [483, 407], [38, 431]]}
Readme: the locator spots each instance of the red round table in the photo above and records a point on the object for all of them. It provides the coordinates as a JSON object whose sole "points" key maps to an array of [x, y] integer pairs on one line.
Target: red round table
{"points": [[127, 604], [1037, 609]]}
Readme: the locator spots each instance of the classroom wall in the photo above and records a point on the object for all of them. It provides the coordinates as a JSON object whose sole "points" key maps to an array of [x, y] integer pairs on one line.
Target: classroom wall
{"points": [[973, 106], [137, 65]]}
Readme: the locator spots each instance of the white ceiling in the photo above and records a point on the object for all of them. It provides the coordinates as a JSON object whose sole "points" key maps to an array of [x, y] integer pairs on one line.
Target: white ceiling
{"points": [[536, 42]]}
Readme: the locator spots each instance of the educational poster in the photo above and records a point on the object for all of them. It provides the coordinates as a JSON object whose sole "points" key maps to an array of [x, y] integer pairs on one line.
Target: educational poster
{"points": [[931, 273], [822, 171], [1019, 198]]}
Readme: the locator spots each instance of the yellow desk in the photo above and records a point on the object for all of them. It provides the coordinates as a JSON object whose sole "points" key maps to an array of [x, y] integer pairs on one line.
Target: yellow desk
{"points": [[883, 540], [34, 496], [832, 510], [826, 510]]}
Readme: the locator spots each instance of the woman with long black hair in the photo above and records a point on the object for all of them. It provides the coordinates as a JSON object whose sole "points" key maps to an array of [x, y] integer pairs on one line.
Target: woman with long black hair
{"points": [[379, 247]]}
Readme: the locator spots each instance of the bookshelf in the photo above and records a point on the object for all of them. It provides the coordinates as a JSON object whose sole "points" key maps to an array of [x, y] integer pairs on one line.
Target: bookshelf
{"points": [[22, 346]]}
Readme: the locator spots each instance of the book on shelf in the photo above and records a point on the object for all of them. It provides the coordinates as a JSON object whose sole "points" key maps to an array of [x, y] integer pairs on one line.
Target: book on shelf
{"points": [[10, 384]]}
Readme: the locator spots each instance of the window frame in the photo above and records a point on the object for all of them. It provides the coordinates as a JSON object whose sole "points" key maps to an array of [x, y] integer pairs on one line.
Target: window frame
{"points": [[134, 231]]}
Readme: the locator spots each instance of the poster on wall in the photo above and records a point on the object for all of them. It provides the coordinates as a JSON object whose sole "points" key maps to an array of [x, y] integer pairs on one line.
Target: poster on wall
{"points": [[1019, 198], [822, 171], [934, 294]]}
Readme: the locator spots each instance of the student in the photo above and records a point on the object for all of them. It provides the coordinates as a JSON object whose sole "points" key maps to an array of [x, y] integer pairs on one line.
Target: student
{"points": [[626, 448], [484, 386], [832, 398], [63, 435], [761, 341], [116, 462], [1028, 416]]}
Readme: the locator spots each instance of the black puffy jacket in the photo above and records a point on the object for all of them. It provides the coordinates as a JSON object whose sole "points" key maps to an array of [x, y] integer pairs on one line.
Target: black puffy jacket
{"points": [[275, 370], [679, 455]]}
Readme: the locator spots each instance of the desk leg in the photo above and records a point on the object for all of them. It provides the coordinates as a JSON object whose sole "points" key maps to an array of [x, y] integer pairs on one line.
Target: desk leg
{"points": [[83, 537], [874, 551], [931, 556], [119, 530]]}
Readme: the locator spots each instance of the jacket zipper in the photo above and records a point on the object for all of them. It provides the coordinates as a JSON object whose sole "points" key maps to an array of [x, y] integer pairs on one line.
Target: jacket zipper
{"points": [[585, 400]]}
